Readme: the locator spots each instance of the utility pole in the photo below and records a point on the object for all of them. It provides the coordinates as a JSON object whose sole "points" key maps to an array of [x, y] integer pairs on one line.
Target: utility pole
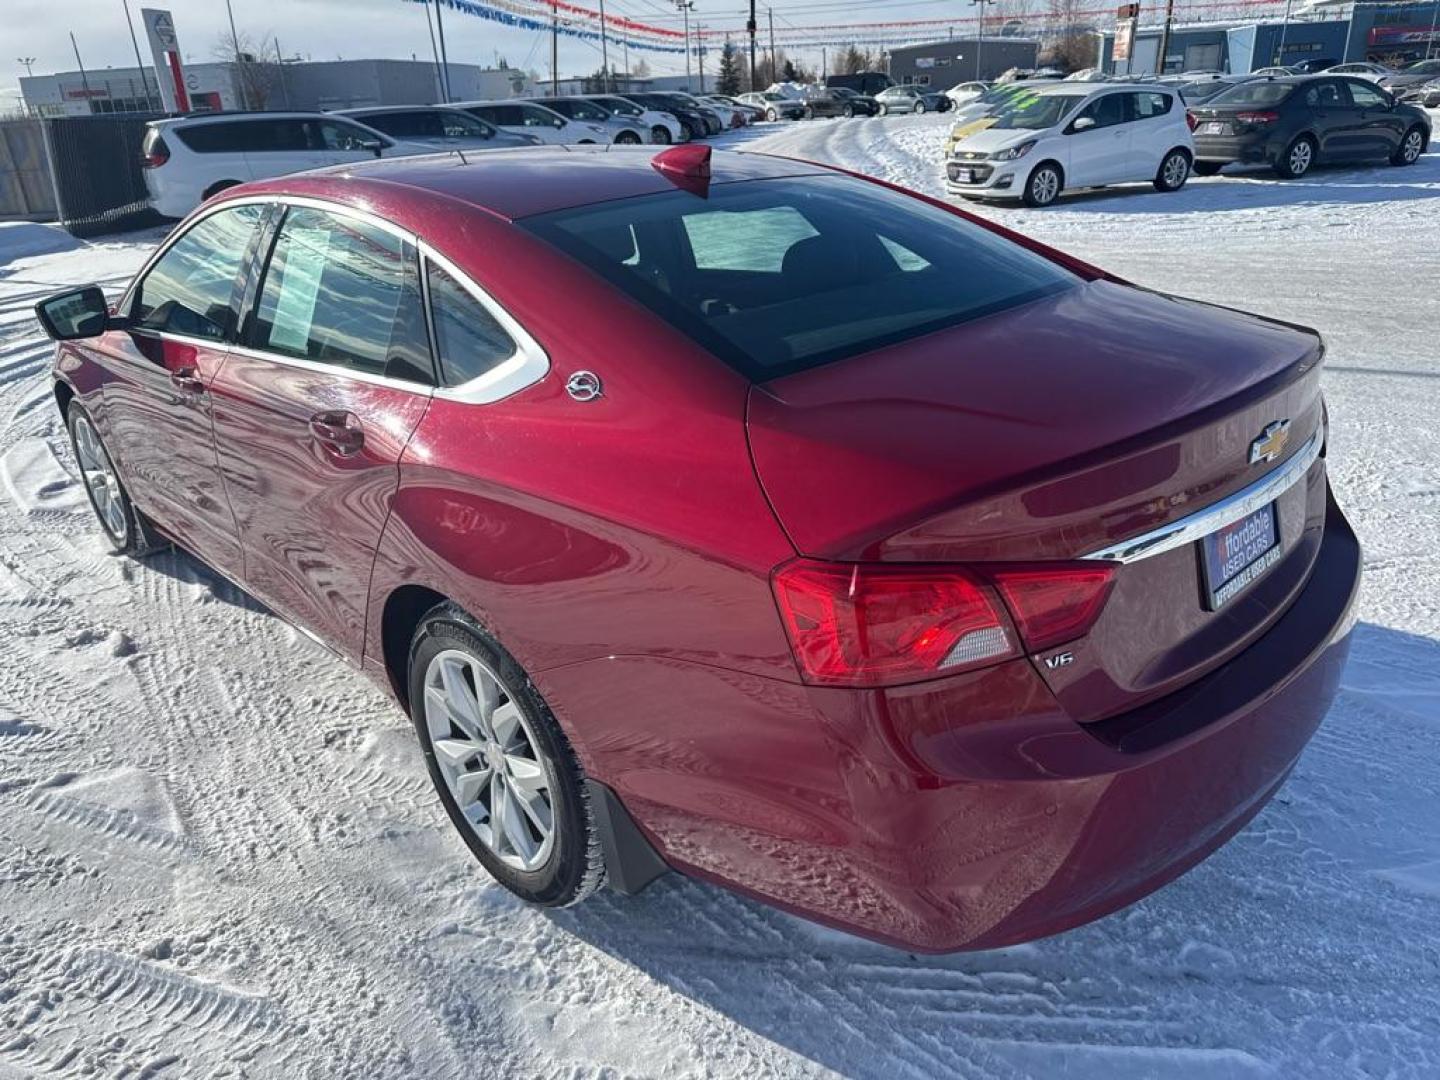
{"points": [[979, 33], [685, 6], [1284, 29], [84, 79], [750, 29], [1434, 11], [435, 52], [554, 49], [28, 61], [604, 54], [239, 60], [700, 53], [280, 66], [444, 57], [774, 70], [135, 44], [1165, 37]]}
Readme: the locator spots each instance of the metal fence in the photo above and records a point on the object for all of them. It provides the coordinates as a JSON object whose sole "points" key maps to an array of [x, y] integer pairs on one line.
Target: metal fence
{"points": [[95, 165], [26, 190]]}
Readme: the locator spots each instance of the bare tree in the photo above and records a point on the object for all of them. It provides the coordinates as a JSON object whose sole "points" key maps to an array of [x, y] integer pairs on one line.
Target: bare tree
{"points": [[256, 66]]}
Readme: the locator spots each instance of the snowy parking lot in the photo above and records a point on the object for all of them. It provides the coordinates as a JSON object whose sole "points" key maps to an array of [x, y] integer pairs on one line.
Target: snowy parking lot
{"points": [[220, 855]]}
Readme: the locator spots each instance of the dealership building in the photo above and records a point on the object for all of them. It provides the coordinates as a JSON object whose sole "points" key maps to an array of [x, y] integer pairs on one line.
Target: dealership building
{"points": [[328, 84], [942, 64], [1388, 33]]}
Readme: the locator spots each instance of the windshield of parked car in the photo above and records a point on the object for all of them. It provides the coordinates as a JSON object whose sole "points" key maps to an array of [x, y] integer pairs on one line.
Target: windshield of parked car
{"points": [[1035, 112], [579, 109], [777, 276], [1254, 93], [1424, 67]]}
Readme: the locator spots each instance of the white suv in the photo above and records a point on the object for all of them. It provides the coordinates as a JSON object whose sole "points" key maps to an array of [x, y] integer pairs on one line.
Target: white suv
{"points": [[189, 158], [1074, 135]]}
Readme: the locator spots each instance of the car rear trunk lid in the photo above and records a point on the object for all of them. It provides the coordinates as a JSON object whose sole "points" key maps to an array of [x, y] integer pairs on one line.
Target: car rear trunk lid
{"points": [[1048, 433]]}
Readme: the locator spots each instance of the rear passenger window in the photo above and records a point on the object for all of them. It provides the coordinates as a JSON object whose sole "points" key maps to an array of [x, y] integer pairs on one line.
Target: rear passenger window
{"points": [[469, 340], [342, 292], [191, 289], [1148, 105]]}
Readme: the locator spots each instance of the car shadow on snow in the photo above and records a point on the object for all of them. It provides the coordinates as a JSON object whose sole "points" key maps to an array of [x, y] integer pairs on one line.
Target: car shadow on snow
{"points": [[1252, 188], [1289, 948]]}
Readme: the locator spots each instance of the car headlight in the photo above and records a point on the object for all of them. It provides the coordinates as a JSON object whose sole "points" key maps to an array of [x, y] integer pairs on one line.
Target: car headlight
{"points": [[1014, 152]]}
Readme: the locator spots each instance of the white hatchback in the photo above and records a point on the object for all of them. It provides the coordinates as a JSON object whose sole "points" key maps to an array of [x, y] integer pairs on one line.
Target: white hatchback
{"points": [[189, 158], [1074, 135]]}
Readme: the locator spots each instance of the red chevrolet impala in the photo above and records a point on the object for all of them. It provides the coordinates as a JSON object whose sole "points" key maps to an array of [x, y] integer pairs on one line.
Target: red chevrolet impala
{"points": [[746, 518]]}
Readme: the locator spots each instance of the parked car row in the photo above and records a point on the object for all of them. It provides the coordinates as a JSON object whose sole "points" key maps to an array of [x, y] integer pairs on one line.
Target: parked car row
{"points": [[187, 159], [1033, 141]]}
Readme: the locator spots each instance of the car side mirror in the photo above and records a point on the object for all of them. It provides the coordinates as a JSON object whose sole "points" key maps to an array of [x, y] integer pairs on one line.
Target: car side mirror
{"points": [[1082, 123], [78, 313]]}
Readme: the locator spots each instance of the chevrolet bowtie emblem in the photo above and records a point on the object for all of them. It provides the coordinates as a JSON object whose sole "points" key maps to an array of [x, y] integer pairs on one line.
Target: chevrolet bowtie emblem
{"points": [[1271, 442]]}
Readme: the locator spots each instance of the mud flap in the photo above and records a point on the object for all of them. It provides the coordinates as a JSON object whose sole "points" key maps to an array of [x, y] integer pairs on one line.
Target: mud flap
{"points": [[631, 863]]}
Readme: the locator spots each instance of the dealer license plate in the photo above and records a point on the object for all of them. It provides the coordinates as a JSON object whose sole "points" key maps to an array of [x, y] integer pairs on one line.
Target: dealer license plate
{"points": [[1238, 554], [963, 176], [1214, 127]]}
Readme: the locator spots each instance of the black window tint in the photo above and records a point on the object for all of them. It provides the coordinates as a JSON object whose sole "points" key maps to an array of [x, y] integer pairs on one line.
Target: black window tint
{"points": [[777, 276], [1366, 96], [1260, 92], [405, 124], [341, 292], [337, 135], [468, 338], [1105, 111], [192, 289], [213, 138]]}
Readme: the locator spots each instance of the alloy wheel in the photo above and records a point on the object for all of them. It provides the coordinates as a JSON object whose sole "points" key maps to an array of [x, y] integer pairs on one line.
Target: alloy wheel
{"points": [[1044, 186], [1300, 157], [487, 753], [1410, 151], [100, 480], [1177, 169]]}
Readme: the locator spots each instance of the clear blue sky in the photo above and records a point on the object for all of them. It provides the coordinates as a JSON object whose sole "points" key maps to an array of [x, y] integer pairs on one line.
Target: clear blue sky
{"points": [[324, 29]]}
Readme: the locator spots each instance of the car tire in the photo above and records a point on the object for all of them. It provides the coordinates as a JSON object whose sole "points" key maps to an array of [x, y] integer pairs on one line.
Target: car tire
{"points": [[1043, 186], [884, 110], [848, 112], [125, 527], [771, 115], [1173, 172], [1297, 158], [627, 138], [919, 108], [452, 654], [660, 135], [217, 187], [1206, 168], [1412, 145]]}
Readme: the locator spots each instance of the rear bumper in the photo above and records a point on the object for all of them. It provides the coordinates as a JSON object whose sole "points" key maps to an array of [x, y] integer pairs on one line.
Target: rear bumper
{"points": [[966, 813], [1256, 149]]}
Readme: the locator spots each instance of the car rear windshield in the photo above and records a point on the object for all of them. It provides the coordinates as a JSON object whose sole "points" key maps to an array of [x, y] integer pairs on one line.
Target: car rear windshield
{"points": [[777, 276], [1255, 93]]}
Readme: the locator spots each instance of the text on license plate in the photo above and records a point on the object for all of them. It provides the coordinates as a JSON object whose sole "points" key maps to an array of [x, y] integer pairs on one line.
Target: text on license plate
{"points": [[1214, 127], [964, 176], [1234, 556]]}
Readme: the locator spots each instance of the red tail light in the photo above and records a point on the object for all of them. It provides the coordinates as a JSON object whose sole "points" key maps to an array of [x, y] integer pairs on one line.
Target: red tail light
{"points": [[1052, 605], [153, 152], [1264, 117], [877, 625], [1191, 120]]}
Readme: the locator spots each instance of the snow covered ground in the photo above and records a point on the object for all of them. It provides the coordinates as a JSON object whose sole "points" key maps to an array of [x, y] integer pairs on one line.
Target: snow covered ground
{"points": [[219, 855]]}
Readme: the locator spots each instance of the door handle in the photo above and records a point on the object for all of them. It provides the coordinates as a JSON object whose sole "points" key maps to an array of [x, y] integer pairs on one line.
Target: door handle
{"points": [[186, 381], [339, 431]]}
